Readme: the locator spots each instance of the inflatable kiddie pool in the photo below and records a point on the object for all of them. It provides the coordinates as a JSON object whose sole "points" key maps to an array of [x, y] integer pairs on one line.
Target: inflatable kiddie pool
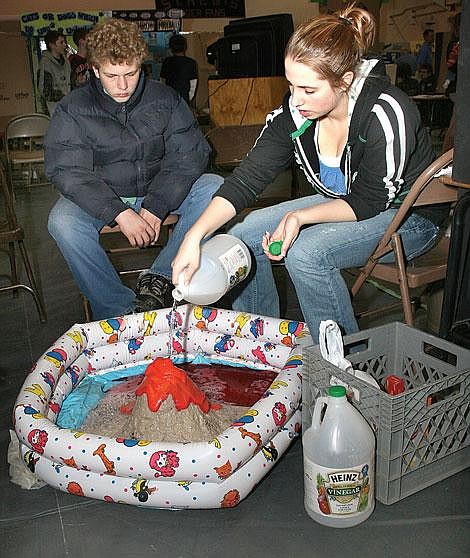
{"points": [[217, 473]]}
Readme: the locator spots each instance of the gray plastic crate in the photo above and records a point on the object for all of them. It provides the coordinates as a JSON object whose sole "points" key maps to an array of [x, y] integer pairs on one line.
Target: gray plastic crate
{"points": [[423, 433]]}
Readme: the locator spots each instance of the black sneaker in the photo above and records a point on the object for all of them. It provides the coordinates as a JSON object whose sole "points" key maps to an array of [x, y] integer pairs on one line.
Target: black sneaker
{"points": [[152, 293]]}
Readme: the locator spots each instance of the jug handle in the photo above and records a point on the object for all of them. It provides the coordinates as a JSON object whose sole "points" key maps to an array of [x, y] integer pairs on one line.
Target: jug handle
{"points": [[317, 412]]}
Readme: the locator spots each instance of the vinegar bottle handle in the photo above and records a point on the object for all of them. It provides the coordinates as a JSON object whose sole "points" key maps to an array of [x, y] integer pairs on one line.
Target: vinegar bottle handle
{"points": [[317, 411]]}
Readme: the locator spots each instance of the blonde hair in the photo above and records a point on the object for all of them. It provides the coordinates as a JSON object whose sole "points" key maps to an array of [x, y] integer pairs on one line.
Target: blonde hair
{"points": [[116, 41], [333, 44]]}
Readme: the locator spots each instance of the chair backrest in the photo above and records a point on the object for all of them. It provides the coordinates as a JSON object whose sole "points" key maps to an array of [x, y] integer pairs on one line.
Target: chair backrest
{"points": [[426, 190], [27, 126], [231, 143]]}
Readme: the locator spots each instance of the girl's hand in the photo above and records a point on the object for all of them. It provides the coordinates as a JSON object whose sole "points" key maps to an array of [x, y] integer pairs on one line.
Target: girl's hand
{"points": [[287, 231], [187, 260]]}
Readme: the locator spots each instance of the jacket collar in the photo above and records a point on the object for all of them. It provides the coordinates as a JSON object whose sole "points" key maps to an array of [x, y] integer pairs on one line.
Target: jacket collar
{"points": [[109, 104]]}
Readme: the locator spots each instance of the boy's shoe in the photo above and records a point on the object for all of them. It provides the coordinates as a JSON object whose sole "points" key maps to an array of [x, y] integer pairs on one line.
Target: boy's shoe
{"points": [[152, 293]]}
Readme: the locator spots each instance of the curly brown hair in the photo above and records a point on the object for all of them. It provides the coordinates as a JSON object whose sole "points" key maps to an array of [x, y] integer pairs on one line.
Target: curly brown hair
{"points": [[333, 44], [116, 41]]}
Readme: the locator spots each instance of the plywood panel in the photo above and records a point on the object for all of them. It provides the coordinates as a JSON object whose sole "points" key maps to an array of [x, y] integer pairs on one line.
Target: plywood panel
{"points": [[244, 100], [16, 87]]}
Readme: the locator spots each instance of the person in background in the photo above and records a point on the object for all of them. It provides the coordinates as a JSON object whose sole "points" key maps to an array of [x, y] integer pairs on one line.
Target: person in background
{"points": [[424, 56], [123, 150], [54, 70], [180, 71], [450, 83], [426, 80], [359, 141], [80, 68], [405, 80]]}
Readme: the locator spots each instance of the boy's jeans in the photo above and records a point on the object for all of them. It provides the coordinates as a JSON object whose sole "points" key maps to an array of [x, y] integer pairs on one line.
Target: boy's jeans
{"points": [[77, 236]]}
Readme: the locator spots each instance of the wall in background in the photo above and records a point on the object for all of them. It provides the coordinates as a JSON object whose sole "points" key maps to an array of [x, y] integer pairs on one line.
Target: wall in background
{"points": [[300, 9]]}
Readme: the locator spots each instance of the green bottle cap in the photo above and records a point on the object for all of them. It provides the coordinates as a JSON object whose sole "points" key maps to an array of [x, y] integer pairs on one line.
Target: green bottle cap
{"points": [[275, 247], [336, 391]]}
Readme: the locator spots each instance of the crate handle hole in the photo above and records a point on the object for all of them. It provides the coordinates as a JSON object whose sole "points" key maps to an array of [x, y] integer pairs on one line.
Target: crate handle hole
{"points": [[356, 347], [439, 353], [442, 394]]}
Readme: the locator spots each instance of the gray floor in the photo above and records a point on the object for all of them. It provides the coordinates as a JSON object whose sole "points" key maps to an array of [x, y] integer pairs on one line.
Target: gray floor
{"points": [[271, 521]]}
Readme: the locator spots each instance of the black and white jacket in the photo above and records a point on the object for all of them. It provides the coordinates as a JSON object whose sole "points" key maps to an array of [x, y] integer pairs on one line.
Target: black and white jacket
{"points": [[387, 149]]}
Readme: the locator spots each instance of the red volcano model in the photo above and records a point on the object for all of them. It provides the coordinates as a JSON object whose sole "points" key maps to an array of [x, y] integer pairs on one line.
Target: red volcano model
{"points": [[163, 378]]}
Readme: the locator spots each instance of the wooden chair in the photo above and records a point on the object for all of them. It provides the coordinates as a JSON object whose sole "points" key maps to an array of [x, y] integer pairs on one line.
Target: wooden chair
{"points": [[24, 150], [421, 271], [11, 238], [118, 248]]}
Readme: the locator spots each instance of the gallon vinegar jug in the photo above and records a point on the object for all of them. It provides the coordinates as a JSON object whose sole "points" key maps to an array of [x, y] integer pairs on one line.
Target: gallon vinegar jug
{"points": [[339, 458], [225, 261]]}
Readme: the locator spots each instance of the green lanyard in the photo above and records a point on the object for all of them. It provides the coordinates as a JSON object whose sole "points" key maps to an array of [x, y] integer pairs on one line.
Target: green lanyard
{"points": [[301, 130]]}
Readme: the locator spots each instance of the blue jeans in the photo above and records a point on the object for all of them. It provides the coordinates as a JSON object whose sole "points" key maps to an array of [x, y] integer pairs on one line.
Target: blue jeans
{"points": [[76, 233], [316, 258]]}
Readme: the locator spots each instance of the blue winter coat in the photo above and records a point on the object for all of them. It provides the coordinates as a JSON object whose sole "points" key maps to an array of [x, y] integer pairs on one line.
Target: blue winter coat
{"points": [[98, 150]]}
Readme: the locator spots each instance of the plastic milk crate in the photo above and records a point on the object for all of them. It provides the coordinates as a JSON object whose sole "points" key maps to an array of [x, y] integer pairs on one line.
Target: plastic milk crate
{"points": [[422, 433]]}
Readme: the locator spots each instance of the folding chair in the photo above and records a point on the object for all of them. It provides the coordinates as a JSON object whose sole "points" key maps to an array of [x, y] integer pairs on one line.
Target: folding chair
{"points": [[11, 238], [24, 149], [423, 270]]}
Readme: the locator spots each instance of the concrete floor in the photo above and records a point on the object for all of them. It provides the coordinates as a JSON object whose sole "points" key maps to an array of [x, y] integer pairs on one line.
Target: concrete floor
{"points": [[271, 521]]}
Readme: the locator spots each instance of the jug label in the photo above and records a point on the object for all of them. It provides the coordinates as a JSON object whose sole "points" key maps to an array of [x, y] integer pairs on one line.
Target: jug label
{"points": [[235, 263], [337, 492]]}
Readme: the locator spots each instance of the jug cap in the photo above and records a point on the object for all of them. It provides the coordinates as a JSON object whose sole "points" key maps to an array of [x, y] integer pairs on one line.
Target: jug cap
{"points": [[336, 391], [275, 247]]}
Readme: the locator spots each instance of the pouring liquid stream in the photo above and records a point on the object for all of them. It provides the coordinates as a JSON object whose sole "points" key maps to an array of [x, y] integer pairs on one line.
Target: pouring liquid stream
{"points": [[173, 324]]}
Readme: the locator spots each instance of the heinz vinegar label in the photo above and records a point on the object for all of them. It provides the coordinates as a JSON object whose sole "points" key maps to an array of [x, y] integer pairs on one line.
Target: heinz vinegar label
{"points": [[338, 492]]}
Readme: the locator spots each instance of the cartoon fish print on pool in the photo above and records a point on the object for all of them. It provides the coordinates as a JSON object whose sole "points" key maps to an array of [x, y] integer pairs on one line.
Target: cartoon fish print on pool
{"points": [[38, 440], [257, 327], [142, 490], [113, 327], [204, 315], [223, 344], [165, 463], [291, 330]]}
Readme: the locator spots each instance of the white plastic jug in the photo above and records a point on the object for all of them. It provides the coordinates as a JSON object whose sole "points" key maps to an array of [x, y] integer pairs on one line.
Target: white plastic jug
{"points": [[225, 261], [339, 459]]}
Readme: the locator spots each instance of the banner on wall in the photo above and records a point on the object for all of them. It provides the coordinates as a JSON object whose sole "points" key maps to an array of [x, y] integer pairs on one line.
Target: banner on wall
{"points": [[39, 23], [204, 8], [149, 20]]}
